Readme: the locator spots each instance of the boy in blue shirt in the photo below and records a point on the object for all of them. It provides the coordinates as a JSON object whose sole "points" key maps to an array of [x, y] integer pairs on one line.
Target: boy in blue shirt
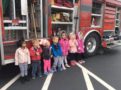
{"points": [[57, 54]]}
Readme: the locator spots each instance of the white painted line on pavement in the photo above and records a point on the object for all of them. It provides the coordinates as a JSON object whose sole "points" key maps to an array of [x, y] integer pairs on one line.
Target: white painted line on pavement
{"points": [[109, 87], [87, 80], [47, 82], [5, 87]]}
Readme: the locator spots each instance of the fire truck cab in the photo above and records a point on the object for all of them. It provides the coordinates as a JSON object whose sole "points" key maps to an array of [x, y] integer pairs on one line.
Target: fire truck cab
{"points": [[98, 21]]}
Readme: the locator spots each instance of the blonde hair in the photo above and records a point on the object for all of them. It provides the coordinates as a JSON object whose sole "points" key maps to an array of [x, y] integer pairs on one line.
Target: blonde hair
{"points": [[47, 43], [72, 35], [35, 41]]}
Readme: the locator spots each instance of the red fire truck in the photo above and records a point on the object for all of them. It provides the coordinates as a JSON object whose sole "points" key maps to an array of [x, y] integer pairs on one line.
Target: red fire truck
{"points": [[98, 20]]}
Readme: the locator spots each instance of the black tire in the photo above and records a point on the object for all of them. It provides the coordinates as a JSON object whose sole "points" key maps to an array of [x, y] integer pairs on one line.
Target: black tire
{"points": [[0, 64], [0, 67], [97, 41]]}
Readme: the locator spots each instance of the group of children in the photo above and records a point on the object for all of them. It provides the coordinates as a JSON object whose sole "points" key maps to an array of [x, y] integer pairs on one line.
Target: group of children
{"points": [[63, 52]]}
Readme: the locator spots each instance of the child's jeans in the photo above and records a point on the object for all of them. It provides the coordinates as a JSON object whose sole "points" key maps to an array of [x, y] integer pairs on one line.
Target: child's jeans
{"points": [[23, 69], [36, 66], [47, 65], [58, 62]]}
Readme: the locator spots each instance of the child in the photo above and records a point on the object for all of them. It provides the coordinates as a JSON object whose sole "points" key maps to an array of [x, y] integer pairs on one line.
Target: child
{"points": [[80, 47], [73, 48], [57, 54], [22, 59], [35, 53], [47, 57], [64, 42]]}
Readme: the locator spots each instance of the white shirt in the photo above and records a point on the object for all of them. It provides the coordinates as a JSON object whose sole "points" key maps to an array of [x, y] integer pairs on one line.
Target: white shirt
{"points": [[22, 56]]}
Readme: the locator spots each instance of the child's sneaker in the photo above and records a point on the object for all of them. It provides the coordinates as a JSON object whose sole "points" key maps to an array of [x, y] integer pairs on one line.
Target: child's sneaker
{"points": [[40, 76], [73, 63], [46, 73], [81, 61], [22, 79], [64, 68], [54, 70], [33, 78], [27, 78], [67, 65], [51, 71], [60, 69]]}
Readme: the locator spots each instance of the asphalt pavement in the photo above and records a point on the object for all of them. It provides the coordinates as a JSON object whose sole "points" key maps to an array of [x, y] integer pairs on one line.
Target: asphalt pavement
{"points": [[7, 73], [100, 72]]}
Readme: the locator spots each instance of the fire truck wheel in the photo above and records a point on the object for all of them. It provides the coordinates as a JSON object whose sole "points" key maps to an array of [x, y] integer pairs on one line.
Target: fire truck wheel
{"points": [[0, 67], [0, 63], [92, 44]]}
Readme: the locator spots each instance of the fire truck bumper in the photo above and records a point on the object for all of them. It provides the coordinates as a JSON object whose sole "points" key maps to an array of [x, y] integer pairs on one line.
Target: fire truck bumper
{"points": [[112, 42]]}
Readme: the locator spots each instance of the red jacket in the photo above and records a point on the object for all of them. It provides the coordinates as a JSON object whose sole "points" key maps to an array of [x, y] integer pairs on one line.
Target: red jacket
{"points": [[33, 55]]}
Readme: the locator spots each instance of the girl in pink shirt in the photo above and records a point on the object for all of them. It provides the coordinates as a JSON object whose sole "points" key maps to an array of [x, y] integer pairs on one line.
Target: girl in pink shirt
{"points": [[80, 48], [22, 59], [64, 42], [72, 48]]}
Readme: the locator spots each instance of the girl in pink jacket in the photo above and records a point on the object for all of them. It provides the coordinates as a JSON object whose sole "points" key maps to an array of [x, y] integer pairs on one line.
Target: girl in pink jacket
{"points": [[22, 59], [73, 48], [64, 42], [80, 48]]}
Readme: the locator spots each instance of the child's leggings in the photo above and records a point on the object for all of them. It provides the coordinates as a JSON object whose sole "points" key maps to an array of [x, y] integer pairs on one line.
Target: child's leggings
{"points": [[47, 65], [64, 61], [23, 69]]}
